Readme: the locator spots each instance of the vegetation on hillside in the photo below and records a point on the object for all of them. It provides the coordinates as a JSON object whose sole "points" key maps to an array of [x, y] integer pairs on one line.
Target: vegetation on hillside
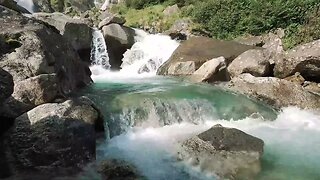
{"points": [[229, 19]]}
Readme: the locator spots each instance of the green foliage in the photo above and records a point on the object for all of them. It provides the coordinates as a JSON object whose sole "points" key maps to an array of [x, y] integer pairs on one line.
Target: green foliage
{"points": [[139, 4]]}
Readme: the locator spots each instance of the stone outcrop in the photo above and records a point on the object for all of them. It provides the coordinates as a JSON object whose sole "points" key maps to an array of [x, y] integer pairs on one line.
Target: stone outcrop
{"points": [[255, 62], [53, 137], [211, 71], [274, 91], [34, 50], [119, 39], [75, 31], [304, 59], [201, 50], [226, 152]]}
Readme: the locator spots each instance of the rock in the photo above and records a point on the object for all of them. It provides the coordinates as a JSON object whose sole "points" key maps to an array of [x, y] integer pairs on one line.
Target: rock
{"points": [[304, 59], [61, 5], [211, 71], [296, 78], [75, 31], [119, 39], [171, 10], [202, 49], [6, 85], [312, 87], [114, 169], [36, 90], [273, 42], [182, 68], [13, 5], [276, 92], [110, 20], [180, 30], [251, 40], [226, 152], [53, 137], [254, 61]]}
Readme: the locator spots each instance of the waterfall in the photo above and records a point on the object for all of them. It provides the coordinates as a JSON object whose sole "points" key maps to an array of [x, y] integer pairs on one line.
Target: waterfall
{"points": [[99, 55], [27, 4]]}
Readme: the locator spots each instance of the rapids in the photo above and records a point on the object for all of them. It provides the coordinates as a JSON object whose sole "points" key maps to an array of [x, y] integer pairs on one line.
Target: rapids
{"points": [[146, 116]]}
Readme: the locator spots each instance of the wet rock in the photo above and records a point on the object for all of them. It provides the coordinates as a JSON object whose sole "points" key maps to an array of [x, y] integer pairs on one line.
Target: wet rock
{"points": [[75, 31], [226, 152], [119, 39], [304, 59], [202, 49], [182, 68], [276, 92], [53, 136], [111, 19], [211, 71], [114, 169], [254, 61]]}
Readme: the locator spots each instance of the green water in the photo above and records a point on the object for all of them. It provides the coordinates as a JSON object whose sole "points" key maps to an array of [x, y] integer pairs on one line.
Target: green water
{"points": [[164, 111]]}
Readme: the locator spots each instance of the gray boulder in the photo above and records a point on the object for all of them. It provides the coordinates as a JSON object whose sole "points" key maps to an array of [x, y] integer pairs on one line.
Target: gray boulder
{"points": [[226, 152], [304, 59], [53, 137], [119, 39], [75, 31], [201, 50], [254, 61], [111, 19], [182, 68], [276, 92], [211, 71], [171, 10], [6, 85]]}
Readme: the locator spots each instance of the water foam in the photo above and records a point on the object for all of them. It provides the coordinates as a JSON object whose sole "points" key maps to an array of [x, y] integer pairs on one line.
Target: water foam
{"points": [[27, 4], [99, 55], [291, 141]]}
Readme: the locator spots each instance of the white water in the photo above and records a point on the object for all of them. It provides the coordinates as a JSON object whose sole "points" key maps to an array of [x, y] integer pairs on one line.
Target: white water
{"points": [[99, 55], [27, 4], [144, 58], [292, 144]]}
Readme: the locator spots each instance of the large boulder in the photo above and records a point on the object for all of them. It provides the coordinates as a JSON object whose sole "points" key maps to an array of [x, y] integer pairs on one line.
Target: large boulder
{"points": [[110, 20], [203, 49], [275, 91], [182, 68], [113, 169], [119, 39], [304, 59], [32, 49], [254, 61], [75, 31], [211, 71], [61, 5], [226, 152], [6, 85], [54, 137]]}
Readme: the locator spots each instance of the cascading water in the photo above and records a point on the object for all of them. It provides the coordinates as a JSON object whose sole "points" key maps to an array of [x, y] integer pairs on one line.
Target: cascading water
{"points": [[99, 55], [148, 116], [27, 4]]}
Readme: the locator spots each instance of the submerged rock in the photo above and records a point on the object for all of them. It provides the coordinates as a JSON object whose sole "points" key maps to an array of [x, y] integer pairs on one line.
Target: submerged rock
{"points": [[255, 62], [114, 169], [304, 59], [225, 152], [274, 91], [201, 50], [53, 137]]}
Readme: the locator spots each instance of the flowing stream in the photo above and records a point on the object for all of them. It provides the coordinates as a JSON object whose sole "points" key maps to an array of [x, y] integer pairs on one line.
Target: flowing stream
{"points": [[147, 116]]}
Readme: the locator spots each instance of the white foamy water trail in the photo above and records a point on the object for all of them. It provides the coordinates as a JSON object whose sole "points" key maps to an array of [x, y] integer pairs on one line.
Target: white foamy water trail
{"points": [[144, 58], [27, 4], [292, 144], [99, 55]]}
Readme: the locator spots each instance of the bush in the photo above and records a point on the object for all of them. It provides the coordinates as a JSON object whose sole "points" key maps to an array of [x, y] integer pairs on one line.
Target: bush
{"points": [[139, 4]]}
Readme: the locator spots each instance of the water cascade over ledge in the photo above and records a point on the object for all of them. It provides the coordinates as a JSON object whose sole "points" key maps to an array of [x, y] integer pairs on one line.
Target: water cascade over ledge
{"points": [[148, 116]]}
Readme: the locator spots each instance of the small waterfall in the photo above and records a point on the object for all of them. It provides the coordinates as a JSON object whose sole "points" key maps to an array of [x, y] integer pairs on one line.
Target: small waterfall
{"points": [[99, 55], [27, 4], [148, 53]]}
